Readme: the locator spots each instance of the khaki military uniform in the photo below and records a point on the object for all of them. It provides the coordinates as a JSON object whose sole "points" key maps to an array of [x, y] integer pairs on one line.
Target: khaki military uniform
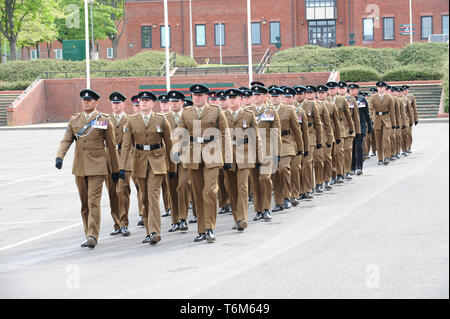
{"points": [[315, 137], [348, 141], [270, 146], [382, 108], [346, 125], [296, 165], [408, 116], [328, 151], [292, 143], [151, 162], [369, 141], [327, 139], [399, 123], [119, 193], [244, 139], [203, 157], [89, 164], [412, 101]]}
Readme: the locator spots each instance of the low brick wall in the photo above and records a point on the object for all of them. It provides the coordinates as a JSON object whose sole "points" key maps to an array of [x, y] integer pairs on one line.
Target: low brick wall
{"points": [[55, 100]]}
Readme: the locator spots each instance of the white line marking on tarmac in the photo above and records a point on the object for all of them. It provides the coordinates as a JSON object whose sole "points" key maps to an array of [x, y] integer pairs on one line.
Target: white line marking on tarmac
{"points": [[40, 221], [39, 237], [27, 179]]}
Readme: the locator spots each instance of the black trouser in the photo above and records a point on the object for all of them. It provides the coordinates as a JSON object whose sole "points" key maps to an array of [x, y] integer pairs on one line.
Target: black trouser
{"points": [[357, 153]]}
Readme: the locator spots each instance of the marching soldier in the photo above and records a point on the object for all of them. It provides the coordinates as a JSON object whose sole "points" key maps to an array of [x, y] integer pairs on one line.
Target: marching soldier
{"points": [[137, 109], [366, 127], [382, 107], [334, 119], [269, 131], [347, 128], [165, 109], [204, 157], [213, 99], [119, 193], [408, 115], [247, 98], [400, 122], [150, 134], [412, 100], [292, 145], [370, 137], [179, 185], [244, 132], [327, 136], [91, 130]]}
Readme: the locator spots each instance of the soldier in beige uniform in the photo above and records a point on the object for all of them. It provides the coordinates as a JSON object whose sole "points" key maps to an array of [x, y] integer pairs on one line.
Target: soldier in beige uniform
{"points": [[137, 109], [382, 107], [243, 130], [335, 123], [369, 142], [315, 142], [408, 115], [119, 193], [204, 156], [91, 130], [292, 145], [270, 148], [179, 185], [150, 134], [412, 101], [400, 122], [165, 109], [348, 141], [347, 126]]}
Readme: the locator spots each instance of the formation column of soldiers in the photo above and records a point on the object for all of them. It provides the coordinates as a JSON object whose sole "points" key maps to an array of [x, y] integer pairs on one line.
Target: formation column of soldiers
{"points": [[228, 148]]}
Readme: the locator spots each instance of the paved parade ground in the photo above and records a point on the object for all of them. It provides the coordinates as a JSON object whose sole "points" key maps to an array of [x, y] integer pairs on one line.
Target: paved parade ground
{"points": [[384, 234]]}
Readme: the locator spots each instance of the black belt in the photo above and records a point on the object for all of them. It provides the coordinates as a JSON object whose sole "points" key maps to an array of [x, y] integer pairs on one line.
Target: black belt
{"points": [[382, 113], [310, 124], [240, 141], [119, 146], [286, 132], [150, 147], [341, 119], [201, 140]]}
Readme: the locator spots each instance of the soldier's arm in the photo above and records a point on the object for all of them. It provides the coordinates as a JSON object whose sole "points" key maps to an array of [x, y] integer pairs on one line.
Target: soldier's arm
{"points": [[367, 117], [257, 137], [327, 124], [305, 131], [297, 131], [277, 126], [392, 110], [414, 106], [317, 124], [127, 143], [66, 141], [168, 142], [356, 118], [110, 140], [226, 138], [401, 113], [348, 117], [410, 113], [337, 124]]}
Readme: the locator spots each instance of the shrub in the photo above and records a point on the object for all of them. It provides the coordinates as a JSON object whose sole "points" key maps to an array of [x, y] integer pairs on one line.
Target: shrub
{"points": [[413, 73], [13, 86], [445, 87], [430, 54], [359, 73]]}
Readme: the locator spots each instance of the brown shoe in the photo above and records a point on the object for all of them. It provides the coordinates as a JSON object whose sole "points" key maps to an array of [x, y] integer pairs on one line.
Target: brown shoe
{"points": [[154, 238]]}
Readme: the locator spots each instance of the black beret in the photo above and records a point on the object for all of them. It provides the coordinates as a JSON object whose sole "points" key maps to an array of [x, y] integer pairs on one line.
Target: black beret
{"points": [[353, 86], [254, 83], [135, 99], [332, 84], [311, 89], [299, 89], [163, 98], [288, 91], [247, 93], [187, 103], [373, 90], [88, 94], [221, 95], [272, 86], [342, 84], [381, 84]]}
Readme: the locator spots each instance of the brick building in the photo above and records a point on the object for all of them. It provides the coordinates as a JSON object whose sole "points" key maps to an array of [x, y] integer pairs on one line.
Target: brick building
{"points": [[330, 23]]}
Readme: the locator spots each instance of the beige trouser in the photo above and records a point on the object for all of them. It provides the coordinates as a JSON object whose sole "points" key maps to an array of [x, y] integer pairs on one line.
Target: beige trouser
{"points": [[239, 193], [281, 180], [319, 165], [90, 192], [338, 159], [328, 162], [348, 147], [119, 198], [296, 170], [383, 142], [180, 188], [306, 177], [138, 195]]}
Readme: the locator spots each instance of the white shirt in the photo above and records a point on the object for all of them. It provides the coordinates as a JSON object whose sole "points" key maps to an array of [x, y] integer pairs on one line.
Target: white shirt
{"points": [[147, 117], [118, 117]]}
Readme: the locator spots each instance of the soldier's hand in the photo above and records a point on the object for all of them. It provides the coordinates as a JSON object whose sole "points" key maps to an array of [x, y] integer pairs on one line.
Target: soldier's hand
{"points": [[410, 125], [58, 163], [328, 145], [299, 152], [122, 174], [257, 165], [227, 166], [306, 154], [416, 122], [115, 177], [176, 157], [172, 175], [338, 141], [319, 146], [404, 126], [350, 132]]}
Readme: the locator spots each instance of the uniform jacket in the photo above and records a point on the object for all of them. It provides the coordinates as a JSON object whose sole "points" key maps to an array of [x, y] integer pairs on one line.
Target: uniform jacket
{"points": [[303, 121], [156, 131], [345, 118], [293, 141], [412, 100], [353, 108], [314, 122], [364, 115], [385, 104], [90, 157], [119, 129], [334, 117], [327, 130]]}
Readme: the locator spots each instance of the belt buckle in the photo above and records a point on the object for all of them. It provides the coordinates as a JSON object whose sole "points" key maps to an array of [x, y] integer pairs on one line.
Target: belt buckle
{"points": [[200, 140], [233, 142], [146, 147], [117, 147]]}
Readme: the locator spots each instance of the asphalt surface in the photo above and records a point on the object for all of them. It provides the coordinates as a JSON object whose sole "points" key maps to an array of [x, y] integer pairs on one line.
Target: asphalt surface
{"points": [[384, 234]]}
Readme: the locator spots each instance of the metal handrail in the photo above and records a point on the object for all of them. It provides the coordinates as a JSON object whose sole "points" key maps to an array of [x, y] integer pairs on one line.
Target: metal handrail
{"points": [[126, 73], [172, 60], [264, 60]]}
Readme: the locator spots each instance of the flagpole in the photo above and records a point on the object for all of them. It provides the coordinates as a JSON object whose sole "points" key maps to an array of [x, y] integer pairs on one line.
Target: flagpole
{"points": [[410, 23], [86, 36], [249, 37], [167, 44]]}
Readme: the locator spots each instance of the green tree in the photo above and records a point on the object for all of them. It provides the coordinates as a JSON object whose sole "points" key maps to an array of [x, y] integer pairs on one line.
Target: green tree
{"points": [[117, 16]]}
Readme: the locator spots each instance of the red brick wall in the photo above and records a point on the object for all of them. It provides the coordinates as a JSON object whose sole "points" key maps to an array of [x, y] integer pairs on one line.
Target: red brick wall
{"points": [[57, 99]]}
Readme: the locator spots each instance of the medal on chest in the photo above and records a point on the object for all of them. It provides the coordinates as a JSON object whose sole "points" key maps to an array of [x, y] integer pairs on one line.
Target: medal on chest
{"points": [[244, 123], [102, 125]]}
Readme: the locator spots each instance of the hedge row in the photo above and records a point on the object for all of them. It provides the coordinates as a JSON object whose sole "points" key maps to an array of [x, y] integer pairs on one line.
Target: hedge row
{"points": [[445, 86], [360, 73], [30, 70]]}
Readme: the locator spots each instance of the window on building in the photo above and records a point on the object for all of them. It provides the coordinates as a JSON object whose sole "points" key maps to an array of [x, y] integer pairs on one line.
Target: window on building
{"points": [[219, 34], [426, 27], [388, 29], [109, 53], [256, 33], [322, 32], [34, 54], [200, 35], [58, 54], [445, 24], [320, 9], [274, 32], [163, 37], [368, 29], [146, 37]]}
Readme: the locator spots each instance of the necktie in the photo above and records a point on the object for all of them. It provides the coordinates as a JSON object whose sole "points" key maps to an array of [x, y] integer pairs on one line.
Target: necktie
{"points": [[146, 119], [234, 115], [199, 112], [117, 118], [176, 117]]}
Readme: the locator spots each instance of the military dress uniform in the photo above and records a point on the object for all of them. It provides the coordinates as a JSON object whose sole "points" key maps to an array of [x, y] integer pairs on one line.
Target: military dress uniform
{"points": [[395, 150], [412, 101], [204, 156], [408, 115], [244, 139], [383, 116], [269, 149], [292, 145], [91, 132], [150, 135], [119, 193], [348, 141]]}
